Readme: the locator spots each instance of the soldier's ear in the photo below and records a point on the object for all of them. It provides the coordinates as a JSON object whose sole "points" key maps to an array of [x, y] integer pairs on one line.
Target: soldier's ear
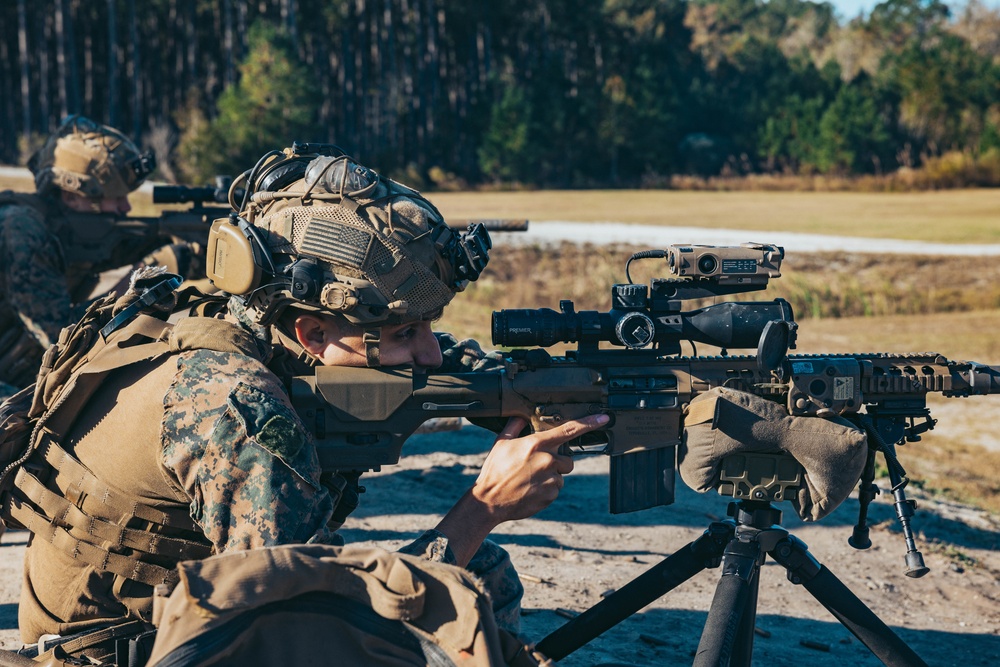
{"points": [[315, 333]]}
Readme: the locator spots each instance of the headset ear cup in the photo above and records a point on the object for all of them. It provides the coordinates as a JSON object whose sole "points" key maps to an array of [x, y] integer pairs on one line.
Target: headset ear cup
{"points": [[231, 264]]}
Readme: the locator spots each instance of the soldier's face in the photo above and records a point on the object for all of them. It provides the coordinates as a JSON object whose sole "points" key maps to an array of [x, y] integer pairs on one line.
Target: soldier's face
{"points": [[337, 344], [112, 205]]}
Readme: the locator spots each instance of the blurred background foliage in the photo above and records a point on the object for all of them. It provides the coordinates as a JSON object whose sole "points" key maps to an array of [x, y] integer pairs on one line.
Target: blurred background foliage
{"points": [[448, 94]]}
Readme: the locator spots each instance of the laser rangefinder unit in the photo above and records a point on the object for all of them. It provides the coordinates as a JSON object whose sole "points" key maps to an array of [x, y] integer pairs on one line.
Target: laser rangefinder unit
{"points": [[749, 262]]}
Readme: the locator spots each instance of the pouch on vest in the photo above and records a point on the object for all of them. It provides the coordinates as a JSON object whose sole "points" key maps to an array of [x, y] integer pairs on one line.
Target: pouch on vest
{"points": [[15, 440], [724, 421], [320, 604]]}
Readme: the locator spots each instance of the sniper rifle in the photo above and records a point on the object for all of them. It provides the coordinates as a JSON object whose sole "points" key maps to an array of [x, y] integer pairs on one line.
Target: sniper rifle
{"points": [[360, 417]]}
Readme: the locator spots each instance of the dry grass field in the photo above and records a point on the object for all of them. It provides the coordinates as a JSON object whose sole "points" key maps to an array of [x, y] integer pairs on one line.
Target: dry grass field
{"points": [[956, 216]]}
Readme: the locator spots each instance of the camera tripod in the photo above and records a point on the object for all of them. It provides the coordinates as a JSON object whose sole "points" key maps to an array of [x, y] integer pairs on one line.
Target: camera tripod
{"points": [[741, 545]]}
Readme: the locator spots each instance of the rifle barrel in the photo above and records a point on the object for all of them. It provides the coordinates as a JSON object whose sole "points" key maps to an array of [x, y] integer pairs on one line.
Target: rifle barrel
{"points": [[492, 224], [983, 379], [183, 194]]}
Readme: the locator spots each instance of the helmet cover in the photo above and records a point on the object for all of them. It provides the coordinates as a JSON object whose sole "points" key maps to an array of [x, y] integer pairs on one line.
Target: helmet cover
{"points": [[91, 160], [342, 239]]}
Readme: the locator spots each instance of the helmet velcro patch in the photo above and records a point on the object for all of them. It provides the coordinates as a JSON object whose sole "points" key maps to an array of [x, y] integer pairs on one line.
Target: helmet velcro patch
{"points": [[336, 242]]}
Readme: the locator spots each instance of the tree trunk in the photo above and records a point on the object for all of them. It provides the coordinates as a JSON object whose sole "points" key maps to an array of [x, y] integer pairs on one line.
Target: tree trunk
{"points": [[88, 72], [22, 50], [44, 75], [61, 74], [288, 19], [191, 43], [113, 115], [135, 72], [8, 113], [229, 75], [72, 70]]}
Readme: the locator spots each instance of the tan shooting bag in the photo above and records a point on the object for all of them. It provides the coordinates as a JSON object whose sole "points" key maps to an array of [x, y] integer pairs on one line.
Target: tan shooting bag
{"points": [[722, 422]]}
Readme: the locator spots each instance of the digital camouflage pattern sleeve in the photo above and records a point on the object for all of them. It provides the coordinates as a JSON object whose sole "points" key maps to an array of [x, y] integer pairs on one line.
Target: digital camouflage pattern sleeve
{"points": [[234, 444], [34, 274]]}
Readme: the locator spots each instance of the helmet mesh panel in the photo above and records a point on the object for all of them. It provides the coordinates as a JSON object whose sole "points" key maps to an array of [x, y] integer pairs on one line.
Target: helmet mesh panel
{"points": [[352, 246]]}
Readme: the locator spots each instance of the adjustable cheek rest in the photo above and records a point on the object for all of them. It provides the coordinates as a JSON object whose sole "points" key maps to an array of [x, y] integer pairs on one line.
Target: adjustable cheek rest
{"points": [[230, 262]]}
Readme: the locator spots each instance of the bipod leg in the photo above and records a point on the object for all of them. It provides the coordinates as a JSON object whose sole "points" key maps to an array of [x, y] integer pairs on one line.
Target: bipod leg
{"points": [[727, 638], [852, 613], [652, 584]]}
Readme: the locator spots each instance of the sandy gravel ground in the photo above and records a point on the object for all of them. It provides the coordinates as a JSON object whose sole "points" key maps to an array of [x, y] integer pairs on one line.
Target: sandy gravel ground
{"points": [[574, 551]]}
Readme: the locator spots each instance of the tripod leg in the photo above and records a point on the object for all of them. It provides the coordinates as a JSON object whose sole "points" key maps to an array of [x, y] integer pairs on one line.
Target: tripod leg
{"points": [[803, 569], [743, 646], [740, 569], [644, 589]]}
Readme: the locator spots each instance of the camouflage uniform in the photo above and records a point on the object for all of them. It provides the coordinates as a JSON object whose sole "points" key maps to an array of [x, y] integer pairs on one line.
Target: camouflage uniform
{"points": [[225, 444], [90, 163], [210, 432], [35, 301]]}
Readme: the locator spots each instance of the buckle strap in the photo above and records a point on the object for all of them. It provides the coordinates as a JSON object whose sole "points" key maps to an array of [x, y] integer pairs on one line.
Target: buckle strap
{"points": [[62, 539], [64, 513], [148, 298], [372, 338], [98, 637], [74, 474]]}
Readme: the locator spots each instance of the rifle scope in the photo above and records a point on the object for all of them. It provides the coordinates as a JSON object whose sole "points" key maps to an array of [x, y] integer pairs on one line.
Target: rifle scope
{"points": [[183, 194], [728, 325]]}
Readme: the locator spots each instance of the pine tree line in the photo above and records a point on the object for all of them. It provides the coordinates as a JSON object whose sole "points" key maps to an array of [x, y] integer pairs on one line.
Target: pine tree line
{"points": [[548, 92]]}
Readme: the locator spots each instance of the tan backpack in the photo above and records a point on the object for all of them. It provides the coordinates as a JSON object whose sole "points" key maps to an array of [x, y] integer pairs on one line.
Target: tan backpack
{"points": [[319, 604]]}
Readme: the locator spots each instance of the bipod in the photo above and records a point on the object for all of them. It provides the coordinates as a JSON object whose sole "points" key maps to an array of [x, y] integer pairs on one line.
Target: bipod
{"points": [[740, 545]]}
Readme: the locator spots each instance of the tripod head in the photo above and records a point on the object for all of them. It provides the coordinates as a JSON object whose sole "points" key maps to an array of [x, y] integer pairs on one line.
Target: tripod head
{"points": [[757, 479]]}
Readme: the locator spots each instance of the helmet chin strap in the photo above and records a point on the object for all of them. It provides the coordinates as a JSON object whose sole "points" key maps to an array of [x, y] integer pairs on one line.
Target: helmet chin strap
{"points": [[372, 339], [293, 345]]}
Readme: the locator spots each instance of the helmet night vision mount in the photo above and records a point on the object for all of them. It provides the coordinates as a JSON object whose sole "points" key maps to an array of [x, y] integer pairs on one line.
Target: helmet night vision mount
{"points": [[650, 318]]}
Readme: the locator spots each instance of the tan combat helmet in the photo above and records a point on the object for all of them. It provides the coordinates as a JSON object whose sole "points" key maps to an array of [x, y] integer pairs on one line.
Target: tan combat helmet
{"points": [[91, 160], [320, 232]]}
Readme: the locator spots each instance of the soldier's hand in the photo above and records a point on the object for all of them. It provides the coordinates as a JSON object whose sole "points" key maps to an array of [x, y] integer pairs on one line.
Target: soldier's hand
{"points": [[522, 476]]}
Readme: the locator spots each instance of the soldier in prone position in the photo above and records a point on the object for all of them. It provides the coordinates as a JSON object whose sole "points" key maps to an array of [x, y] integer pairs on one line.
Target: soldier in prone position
{"points": [[190, 447]]}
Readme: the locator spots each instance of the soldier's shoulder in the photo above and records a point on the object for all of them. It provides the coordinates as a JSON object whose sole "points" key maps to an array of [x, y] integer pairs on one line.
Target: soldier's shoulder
{"points": [[209, 384], [219, 402], [21, 212], [23, 225], [206, 371]]}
